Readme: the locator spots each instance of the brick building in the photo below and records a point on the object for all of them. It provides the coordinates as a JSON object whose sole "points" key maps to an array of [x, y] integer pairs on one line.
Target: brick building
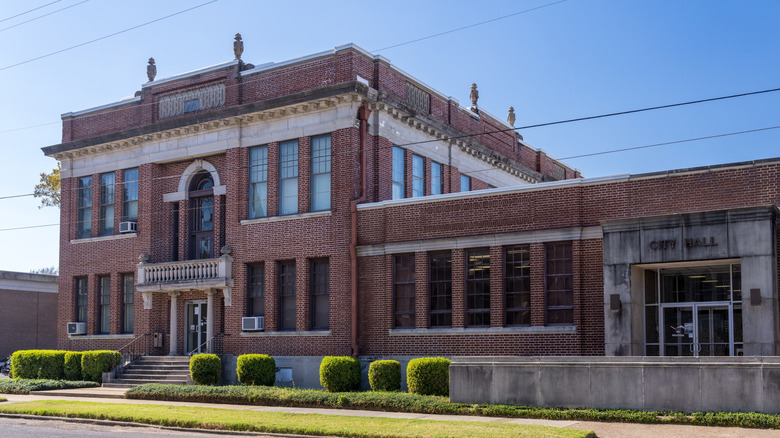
{"points": [[28, 312], [334, 205]]}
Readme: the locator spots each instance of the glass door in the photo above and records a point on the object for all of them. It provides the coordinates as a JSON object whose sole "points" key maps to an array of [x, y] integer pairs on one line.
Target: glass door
{"points": [[699, 330], [679, 336], [196, 326]]}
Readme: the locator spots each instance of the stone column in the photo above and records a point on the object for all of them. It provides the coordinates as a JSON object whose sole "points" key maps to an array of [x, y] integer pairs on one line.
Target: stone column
{"points": [[209, 320], [174, 335]]}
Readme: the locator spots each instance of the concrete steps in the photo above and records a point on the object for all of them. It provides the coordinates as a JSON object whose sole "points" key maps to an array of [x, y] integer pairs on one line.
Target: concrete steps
{"points": [[153, 369]]}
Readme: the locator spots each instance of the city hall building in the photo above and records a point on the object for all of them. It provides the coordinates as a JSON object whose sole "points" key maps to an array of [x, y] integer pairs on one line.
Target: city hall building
{"points": [[334, 204]]}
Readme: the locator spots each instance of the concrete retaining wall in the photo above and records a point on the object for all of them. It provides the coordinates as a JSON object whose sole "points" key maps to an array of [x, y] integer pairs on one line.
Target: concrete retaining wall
{"points": [[734, 384]]}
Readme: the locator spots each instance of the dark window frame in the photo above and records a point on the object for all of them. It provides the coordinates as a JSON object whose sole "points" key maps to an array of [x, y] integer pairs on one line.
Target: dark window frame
{"points": [[559, 283], [255, 285], [82, 293], [418, 181], [104, 304], [320, 167], [437, 178], [286, 291], [398, 170], [319, 294], [258, 182], [440, 288], [288, 172], [477, 290], [128, 303], [84, 220], [107, 210], [517, 286], [130, 195], [400, 285]]}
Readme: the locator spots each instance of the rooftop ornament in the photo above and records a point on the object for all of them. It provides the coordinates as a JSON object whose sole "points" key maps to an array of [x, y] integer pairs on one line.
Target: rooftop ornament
{"points": [[474, 96], [510, 117], [151, 70], [238, 47]]}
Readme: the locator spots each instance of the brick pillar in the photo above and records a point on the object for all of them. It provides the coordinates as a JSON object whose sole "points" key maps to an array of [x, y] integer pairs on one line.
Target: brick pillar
{"points": [[271, 296], [421, 301], [273, 179], [458, 288], [184, 243], [496, 286], [302, 295], [538, 316], [304, 174]]}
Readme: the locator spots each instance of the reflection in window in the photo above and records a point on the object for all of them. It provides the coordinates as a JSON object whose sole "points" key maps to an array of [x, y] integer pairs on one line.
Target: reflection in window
{"points": [[465, 183], [436, 179], [399, 164], [258, 181], [85, 208], [130, 195], [288, 177], [320, 173], [418, 176], [478, 287], [517, 285], [107, 204]]}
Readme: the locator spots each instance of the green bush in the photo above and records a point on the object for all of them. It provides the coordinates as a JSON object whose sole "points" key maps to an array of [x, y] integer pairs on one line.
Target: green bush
{"points": [[429, 376], [95, 363], [205, 369], [256, 369], [25, 386], [38, 364], [72, 365], [385, 375], [340, 373]]}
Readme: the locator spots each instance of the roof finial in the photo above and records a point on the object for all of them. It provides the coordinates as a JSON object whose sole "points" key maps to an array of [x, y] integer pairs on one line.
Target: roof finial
{"points": [[510, 117], [238, 47], [474, 96], [151, 70]]}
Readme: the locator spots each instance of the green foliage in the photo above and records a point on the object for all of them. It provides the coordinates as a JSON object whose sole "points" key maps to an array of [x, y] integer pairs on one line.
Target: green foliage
{"points": [[48, 188], [24, 386], [205, 369], [95, 363], [340, 373], [256, 369], [385, 375], [72, 367], [429, 376], [38, 364], [3, 399]]}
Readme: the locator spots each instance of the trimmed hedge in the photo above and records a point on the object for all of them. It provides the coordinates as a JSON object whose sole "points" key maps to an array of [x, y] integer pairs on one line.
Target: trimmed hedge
{"points": [[385, 375], [429, 376], [205, 369], [25, 386], [340, 373], [72, 367], [256, 369], [95, 363], [38, 364]]}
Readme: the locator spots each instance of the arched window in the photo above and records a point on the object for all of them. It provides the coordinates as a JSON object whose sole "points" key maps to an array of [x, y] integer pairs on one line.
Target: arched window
{"points": [[201, 222]]}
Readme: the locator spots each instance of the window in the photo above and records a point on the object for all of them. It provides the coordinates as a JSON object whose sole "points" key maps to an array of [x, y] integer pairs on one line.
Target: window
{"points": [[81, 299], [440, 289], [436, 179], [104, 305], [403, 291], [399, 164], [320, 173], [287, 295], [127, 303], [517, 285], [85, 207], [418, 176], [320, 276], [258, 181], [288, 177], [478, 287], [559, 283], [130, 188], [465, 183], [201, 216], [107, 204], [256, 290]]}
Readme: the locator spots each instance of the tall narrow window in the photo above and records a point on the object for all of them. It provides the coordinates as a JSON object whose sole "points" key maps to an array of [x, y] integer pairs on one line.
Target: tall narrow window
{"points": [[85, 207], [256, 290], [320, 276], [201, 216], [81, 299], [418, 176], [465, 183], [436, 179], [517, 285], [399, 164], [288, 177], [478, 287], [559, 283], [287, 295], [104, 305], [107, 204], [403, 290], [128, 300], [130, 191], [440, 289], [320, 173], [258, 181]]}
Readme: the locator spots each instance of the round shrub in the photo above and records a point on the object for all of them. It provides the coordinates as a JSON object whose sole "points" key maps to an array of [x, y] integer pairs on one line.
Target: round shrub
{"points": [[205, 369], [385, 375], [340, 373], [429, 376], [38, 364], [72, 366], [256, 369], [95, 363]]}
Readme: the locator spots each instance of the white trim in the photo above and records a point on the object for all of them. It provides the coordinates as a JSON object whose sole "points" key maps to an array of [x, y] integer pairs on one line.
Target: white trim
{"points": [[195, 167], [263, 220], [190, 73], [101, 107], [91, 337], [16, 285], [284, 334], [491, 331], [103, 238]]}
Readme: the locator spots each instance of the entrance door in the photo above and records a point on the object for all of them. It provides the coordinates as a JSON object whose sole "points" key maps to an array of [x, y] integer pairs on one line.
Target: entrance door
{"points": [[196, 326], [698, 330]]}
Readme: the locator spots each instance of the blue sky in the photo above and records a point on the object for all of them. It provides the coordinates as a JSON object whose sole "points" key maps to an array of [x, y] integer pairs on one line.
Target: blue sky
{"points": [[571, 59]]}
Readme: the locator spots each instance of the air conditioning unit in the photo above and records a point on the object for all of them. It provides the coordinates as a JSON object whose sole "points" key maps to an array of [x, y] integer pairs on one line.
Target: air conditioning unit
{"points": [[128, 227], [253, 323], [77, 328]]}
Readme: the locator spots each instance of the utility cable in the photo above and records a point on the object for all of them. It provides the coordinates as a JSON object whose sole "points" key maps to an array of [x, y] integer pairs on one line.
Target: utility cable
{"points": [[44, 15], [31, 10]]}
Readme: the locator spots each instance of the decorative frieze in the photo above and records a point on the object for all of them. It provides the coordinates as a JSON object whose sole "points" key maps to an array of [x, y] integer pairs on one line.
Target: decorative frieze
{"points": [[417, 98], [193, 100]]}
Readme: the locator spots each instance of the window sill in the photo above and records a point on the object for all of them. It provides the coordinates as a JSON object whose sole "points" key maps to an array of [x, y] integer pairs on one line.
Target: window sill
{"points": [[485, 331], [122, 336], [102, 238], [262, 220], [260, 334]]}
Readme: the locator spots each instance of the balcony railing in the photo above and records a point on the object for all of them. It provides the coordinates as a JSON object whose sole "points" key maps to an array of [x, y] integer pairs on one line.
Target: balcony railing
{"points": [[189, 271]]}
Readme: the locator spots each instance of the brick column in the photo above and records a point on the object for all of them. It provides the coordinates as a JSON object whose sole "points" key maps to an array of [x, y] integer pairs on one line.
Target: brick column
{"points": [[496, 286], [421, 301], [538, 315], [302, 295], [304, 174], [271, 296], [458, 288], [273, 179]]}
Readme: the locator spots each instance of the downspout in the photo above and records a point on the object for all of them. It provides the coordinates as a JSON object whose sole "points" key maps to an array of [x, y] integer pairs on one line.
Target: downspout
{"points": [[363, 114]]}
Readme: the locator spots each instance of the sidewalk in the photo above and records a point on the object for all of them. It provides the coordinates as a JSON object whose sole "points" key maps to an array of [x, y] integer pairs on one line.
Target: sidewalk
{"points": [[604, 430]]}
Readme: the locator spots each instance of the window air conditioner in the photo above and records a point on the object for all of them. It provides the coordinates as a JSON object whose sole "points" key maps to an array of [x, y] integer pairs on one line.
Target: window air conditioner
{"points": [[77, 328], [128, 227], [253, 323]]}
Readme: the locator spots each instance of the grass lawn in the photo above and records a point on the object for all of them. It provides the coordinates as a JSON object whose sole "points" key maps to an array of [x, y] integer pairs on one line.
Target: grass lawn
{"points": [[279, 422], [3, 399]]}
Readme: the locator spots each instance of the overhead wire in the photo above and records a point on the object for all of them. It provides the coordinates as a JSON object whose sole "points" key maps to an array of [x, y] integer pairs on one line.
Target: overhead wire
{"points": [[28, 11], [41, 16]]}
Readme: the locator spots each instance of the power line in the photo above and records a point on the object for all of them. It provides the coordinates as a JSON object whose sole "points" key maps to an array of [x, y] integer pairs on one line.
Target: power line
{"points": [[107, 36], [31, 10], [17, 196], [44, 15], [469, 26], [31, 226]]}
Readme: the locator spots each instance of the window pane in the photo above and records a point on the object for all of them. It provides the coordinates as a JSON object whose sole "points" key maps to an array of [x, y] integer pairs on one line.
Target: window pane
{"points": [[517, 285], [256, 290], [320, 279], [320, 169], [127, 303], [288, 175], [130, 195], [105, 304], [465, 183], [399, 163], [287, 295], [258, 181], [559, 283], [436, 179], [85, 208], [478, 287], [418, 175], [440, 289], [81, 299], [320, 195], [403, 290]]}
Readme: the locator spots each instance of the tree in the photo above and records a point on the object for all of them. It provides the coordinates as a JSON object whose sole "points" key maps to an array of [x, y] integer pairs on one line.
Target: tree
{"points": [[48, 189], [46, 271]]}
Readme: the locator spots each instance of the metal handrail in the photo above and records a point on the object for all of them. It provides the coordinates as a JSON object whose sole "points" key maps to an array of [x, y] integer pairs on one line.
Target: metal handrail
{"points": [[215, 349], [131, 352]]}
